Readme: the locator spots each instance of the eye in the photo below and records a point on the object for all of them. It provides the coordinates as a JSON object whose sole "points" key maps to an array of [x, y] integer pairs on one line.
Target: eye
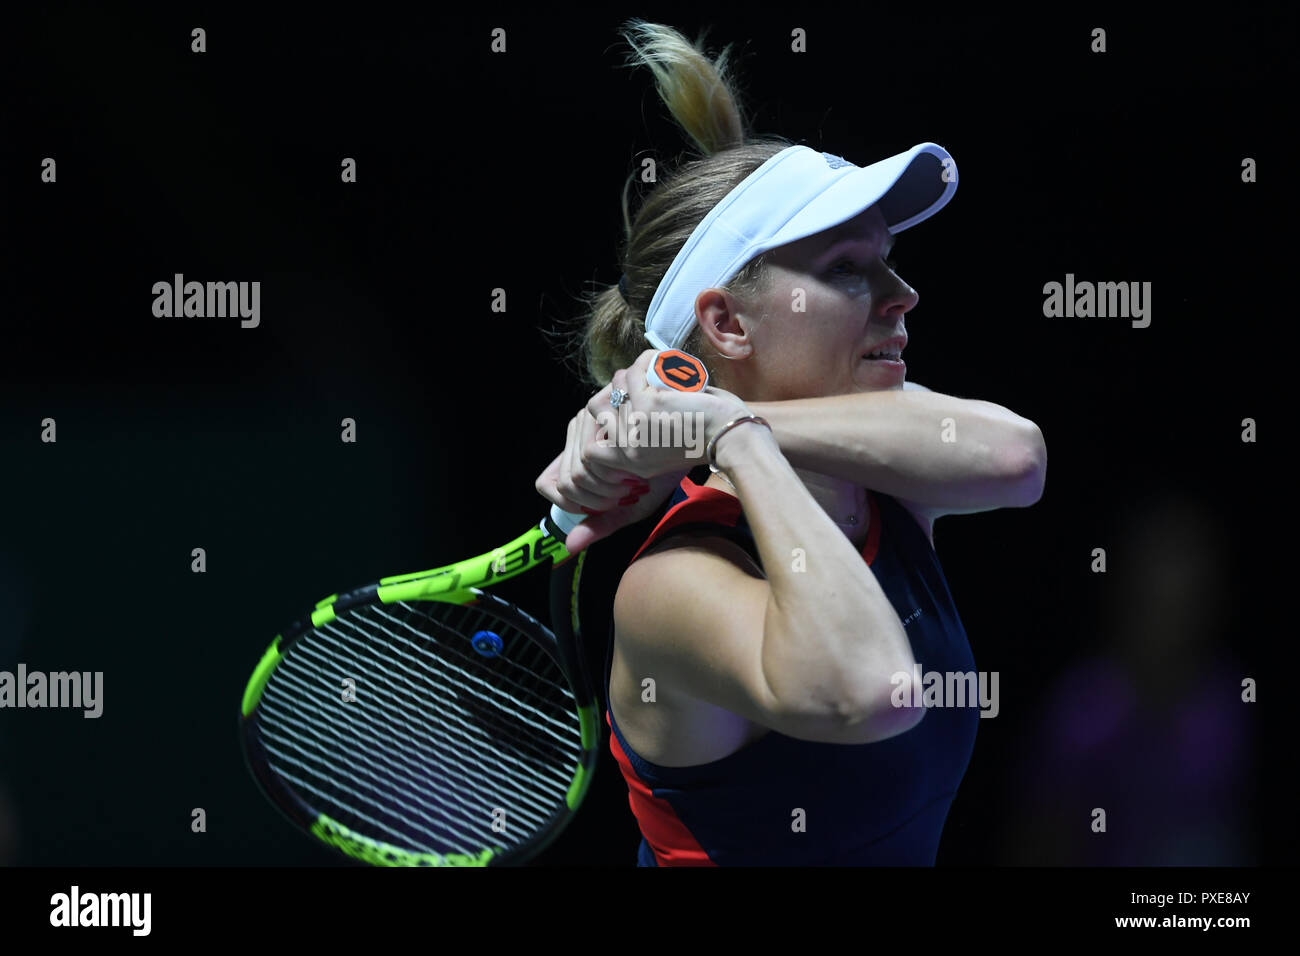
{"points": [[892, 265]]}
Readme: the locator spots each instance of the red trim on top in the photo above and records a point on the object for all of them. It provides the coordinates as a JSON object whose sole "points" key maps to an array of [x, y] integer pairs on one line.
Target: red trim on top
{"points": [[872, 545], [664, 832], [712, 505], [707, 504]]}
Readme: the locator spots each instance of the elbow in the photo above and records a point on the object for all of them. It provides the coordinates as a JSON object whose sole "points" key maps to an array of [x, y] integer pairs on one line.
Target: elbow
{"points": [[897, 712], [1028, 472]]}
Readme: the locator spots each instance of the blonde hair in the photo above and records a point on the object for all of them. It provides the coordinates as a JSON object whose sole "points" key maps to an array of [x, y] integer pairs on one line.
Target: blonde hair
{"points": [[609, 334]]}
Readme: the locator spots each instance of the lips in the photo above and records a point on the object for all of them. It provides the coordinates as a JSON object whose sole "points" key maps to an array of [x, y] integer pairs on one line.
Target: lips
{"points": [[891, 349]]}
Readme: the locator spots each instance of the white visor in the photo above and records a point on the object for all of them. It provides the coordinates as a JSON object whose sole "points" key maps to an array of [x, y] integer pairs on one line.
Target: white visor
{"points": [[797, 193]]}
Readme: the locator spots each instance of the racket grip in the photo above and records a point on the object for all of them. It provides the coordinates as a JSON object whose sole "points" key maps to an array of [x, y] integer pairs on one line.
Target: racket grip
{"points": [[563, 521], [671, 368]]}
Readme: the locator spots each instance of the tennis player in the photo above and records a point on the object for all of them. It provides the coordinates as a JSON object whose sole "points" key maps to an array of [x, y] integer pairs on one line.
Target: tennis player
{"points": [[768, 639]]}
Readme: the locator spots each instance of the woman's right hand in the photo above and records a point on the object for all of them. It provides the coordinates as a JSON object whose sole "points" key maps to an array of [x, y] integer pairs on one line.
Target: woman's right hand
{"points": [[667, 413], [595, 474]]}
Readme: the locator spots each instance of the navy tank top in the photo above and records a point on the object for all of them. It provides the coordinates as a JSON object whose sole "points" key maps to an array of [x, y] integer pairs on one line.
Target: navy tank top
{"points": [[780, 801]]}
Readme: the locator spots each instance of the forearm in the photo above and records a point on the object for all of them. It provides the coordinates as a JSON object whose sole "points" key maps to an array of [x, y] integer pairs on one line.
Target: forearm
{"points": [[940, 451], [832, 639]]}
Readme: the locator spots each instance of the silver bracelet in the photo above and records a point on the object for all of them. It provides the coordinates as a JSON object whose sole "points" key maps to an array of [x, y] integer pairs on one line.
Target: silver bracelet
{"points": [[708, 451]]}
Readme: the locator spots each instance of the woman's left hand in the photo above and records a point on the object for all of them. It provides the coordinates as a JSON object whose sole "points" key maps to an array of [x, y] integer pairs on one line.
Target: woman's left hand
{"points": [[612, 498], [620, 482], [627, 510], [581, 479]]}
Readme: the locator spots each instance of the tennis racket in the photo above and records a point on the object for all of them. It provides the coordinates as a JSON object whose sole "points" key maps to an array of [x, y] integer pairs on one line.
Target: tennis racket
{"points": [[423, 721]]}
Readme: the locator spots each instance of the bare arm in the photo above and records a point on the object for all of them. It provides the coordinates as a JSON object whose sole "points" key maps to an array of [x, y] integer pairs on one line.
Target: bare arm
{"points": [[814, 653], [950, 455]]}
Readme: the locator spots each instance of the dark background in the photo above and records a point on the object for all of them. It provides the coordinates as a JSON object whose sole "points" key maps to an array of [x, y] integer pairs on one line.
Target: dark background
{"points": [[479, 170]]}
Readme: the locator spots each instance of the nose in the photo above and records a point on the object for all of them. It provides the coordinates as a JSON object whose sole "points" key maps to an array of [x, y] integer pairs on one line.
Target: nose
{"points": [[897, 298]]}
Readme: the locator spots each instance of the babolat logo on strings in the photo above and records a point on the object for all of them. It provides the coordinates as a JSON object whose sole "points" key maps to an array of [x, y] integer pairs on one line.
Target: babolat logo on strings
{"points": [[835, 162], [681, 371]]}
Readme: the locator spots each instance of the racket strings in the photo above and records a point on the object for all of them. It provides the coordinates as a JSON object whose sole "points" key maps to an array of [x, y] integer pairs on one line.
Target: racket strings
{"points": [[358, 741], [436, 840], [397, 714], [526, 669], [457, 699], [438, 737], [514, 723]]}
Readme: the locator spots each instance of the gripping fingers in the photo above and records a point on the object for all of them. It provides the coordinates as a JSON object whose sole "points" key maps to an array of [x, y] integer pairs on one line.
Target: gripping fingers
{"points": [[573, 483], [637, 373], [592, 486], [620, 380], [598, 457], [598, 405]]}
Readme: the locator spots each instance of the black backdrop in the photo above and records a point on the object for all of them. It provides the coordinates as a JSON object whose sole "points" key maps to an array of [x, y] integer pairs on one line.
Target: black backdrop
{"points": [[479, 171]]}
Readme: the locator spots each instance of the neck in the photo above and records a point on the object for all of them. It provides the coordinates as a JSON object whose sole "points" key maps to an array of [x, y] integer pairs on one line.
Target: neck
{"points": [[839, 498]]}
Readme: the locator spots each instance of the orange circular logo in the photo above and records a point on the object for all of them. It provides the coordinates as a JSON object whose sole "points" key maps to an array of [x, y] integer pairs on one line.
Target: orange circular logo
{"points": [[681, 371]]}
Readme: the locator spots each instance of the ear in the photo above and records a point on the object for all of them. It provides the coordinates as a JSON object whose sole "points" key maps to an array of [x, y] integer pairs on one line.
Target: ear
{"points": [[717, 312]]}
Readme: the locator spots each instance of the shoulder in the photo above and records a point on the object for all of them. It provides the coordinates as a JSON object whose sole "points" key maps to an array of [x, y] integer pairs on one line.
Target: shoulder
{"points": [[672, 575], [698, 542], [691, 608]]}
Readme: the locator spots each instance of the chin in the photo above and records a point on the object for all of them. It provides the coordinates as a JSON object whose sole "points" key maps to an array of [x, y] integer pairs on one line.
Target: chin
{"points": [[869, 387]]}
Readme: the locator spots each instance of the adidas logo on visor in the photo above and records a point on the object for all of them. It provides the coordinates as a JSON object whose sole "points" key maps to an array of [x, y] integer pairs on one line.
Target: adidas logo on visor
{"points": [[835, 162]]}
